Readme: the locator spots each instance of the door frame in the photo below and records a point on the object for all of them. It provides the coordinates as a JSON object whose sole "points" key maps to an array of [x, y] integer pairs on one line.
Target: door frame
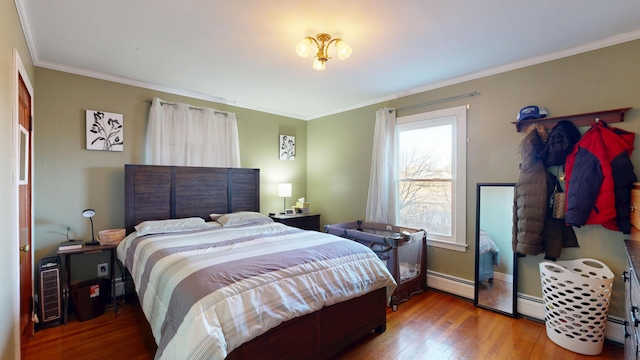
{"points": [[19, 71]]}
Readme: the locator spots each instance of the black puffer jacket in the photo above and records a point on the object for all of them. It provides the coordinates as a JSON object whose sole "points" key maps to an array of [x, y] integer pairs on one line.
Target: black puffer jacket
{"points": [[562, 138]]}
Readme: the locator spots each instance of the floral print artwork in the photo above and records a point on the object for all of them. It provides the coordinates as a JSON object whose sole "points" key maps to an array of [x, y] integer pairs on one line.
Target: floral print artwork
{"points": [[104, 131], [287, 148]]}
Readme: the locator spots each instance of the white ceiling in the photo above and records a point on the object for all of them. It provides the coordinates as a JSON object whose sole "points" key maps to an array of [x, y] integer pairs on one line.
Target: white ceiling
{"points": [[242, 52]]}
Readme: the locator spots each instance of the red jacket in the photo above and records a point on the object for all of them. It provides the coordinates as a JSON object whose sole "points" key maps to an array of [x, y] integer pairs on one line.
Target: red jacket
{"points": [[599, 178]]}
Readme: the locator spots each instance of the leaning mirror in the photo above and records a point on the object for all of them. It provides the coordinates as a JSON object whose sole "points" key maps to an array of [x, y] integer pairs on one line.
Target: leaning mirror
{"points": [[496, 264]]}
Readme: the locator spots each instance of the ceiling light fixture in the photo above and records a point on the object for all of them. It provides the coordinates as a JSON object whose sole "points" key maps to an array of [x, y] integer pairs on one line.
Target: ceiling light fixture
{"points": [[323, 41]]}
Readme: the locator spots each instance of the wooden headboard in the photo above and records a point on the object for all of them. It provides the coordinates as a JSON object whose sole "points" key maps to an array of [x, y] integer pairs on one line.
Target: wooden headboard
{"points": [[170, 192]]}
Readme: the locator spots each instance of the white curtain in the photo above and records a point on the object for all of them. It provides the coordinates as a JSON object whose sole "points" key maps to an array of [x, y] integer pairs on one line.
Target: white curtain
{"points": [[184, 135], [383, 185]]}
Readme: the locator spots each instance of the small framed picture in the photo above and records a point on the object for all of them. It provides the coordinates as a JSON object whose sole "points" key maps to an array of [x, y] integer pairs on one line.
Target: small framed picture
{"points": [[104, 131], [289, 212], [287, 147]]}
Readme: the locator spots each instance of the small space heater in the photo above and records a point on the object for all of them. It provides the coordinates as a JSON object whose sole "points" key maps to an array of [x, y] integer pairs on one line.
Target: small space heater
{"points": [[50, 291]]}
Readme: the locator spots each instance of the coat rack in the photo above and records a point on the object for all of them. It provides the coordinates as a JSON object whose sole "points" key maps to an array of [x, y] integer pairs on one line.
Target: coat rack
{"points": [[587, 119]]}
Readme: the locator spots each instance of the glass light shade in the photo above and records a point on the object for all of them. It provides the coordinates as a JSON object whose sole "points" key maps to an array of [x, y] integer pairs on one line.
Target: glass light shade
{"points": [[344, 50], [318, 65], [284, 190], [304, 47], [88, 213]]}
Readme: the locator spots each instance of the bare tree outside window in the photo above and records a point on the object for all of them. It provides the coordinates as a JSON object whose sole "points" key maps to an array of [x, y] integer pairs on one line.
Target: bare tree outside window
{"points": [[425, 175], [431, 160]]}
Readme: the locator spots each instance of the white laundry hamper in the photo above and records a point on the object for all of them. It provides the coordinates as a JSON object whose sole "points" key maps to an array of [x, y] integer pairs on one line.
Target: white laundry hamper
{"points": [[576, 295]]}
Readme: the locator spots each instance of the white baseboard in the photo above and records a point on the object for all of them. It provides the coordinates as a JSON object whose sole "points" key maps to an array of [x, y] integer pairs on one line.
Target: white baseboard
{"points": [[528, 306], [450, 284]]}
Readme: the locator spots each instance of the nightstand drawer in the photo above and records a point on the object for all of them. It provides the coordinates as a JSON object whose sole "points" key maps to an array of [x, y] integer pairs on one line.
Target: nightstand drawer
{"points": [[305, 222]]}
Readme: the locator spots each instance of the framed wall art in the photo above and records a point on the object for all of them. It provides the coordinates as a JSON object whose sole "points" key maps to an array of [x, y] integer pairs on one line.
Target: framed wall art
{"points": [[287, 147], [104, 131]]}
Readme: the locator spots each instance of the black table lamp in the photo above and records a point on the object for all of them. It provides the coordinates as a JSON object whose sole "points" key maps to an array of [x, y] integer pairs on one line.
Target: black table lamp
{"points": [[89, 213]]}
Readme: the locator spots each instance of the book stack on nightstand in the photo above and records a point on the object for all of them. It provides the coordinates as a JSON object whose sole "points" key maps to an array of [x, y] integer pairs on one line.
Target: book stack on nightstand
{"points": [[70, 245], [302, 207]]}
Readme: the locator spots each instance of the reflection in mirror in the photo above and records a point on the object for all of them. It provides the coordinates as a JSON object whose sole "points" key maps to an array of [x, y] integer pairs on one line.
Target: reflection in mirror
{"points": [[24, 156], [496, 264]]}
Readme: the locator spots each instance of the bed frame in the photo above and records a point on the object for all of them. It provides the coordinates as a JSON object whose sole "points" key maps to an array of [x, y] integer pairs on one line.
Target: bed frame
{"points": [[171, 192], [168, 192]]}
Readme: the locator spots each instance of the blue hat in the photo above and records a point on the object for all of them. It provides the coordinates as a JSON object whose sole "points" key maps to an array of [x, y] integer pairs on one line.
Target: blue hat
{"points": [[532, 112]]}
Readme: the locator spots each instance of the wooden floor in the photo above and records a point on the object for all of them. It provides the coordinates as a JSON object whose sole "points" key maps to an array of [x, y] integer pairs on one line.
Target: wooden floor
{"points": [[431, 325]]}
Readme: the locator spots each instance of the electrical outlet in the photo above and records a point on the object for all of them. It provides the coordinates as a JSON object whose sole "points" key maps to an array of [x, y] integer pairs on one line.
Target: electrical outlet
{"points": [[389, 227], [103, 269]]}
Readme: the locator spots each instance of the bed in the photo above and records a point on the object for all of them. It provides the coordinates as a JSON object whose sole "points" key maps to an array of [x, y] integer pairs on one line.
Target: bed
{"points": [[489, 257], [234, 314]]}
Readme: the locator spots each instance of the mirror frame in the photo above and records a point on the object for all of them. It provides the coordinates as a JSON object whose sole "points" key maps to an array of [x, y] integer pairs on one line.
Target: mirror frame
{"points": [[514, 312]]}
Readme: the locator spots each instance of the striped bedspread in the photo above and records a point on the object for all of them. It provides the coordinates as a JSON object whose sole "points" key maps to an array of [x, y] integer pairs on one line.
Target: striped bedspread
{"points": [[206, 292]]}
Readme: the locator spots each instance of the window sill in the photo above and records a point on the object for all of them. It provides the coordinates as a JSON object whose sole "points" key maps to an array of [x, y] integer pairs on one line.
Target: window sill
{"points": [[447, 245]]}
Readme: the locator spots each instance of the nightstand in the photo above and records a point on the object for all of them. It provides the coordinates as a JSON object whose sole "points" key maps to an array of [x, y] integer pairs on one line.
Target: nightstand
{"points": [[301, 221], [86, 249]]}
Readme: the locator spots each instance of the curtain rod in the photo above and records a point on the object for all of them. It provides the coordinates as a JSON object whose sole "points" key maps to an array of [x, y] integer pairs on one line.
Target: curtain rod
{"points": [[216, 112], [471, 94]]}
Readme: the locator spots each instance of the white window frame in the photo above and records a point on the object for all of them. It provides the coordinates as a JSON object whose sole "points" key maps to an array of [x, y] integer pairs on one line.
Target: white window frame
{"points": [[458, 239]]}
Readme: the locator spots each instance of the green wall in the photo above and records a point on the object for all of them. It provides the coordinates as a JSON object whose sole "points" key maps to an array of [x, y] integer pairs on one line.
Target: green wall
{"points": [[11, 37], [69, 178], [340, 147]]}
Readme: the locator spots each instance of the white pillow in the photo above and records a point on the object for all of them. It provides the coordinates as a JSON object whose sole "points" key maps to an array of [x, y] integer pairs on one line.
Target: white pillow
{"points": [[215, 217], [169, 226], [243, 218]]}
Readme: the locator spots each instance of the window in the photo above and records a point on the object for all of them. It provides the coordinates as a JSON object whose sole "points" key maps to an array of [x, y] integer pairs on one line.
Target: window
{"points": [[431, 158]]}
